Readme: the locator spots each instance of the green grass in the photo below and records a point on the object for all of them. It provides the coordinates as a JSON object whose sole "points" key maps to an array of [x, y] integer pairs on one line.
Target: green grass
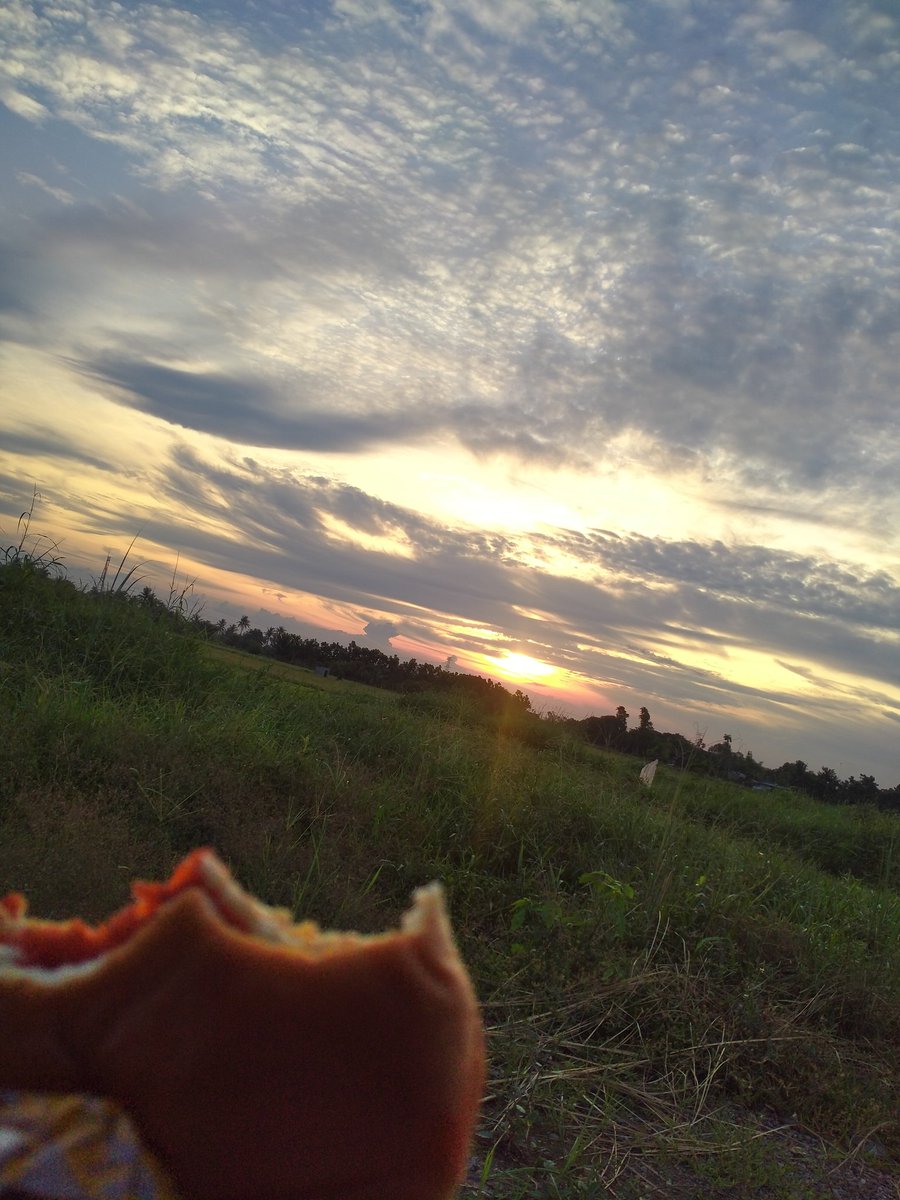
{"points": [[856, 840], [657, 967]]}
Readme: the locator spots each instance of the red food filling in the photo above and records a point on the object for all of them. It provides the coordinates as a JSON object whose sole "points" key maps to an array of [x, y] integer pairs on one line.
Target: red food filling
{"points": [[60, 943]]}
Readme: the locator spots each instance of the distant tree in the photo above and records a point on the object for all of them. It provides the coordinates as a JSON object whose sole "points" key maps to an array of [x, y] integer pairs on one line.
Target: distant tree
{"points": [[677, 750], [280, 644], [605, 731], [747, 763], [826, 784], [252, 640], [794, 774], [642, 740], [721, 760], [244, 623], [860, 791]]}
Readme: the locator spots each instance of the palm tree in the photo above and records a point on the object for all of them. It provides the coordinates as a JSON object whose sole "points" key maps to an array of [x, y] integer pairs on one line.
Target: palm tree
{"points": [[244, 623]]}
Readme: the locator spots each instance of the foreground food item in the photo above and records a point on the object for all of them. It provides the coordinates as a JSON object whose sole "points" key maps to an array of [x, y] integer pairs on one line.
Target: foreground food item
{"points": [[257, 1058]]}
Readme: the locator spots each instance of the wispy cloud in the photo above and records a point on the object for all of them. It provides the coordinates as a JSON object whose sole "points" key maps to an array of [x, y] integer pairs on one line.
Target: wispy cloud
{"points": [[248, 411], [644, 601]]}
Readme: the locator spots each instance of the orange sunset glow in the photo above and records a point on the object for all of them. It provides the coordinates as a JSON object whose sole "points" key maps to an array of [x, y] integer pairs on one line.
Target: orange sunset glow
{"points": [[521, 667]]}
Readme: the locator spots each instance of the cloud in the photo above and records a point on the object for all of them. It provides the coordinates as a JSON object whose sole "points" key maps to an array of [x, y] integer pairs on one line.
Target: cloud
{"points": [[550, 255], [23, 105], [248, 411], [797, 583], [57, 193], [16, 281], [378, 634], [645, 603], [337, 236], [40, 443]]}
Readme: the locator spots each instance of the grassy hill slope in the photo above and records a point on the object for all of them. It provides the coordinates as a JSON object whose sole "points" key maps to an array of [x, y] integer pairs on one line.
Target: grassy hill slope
{"points": [[668, 975]]}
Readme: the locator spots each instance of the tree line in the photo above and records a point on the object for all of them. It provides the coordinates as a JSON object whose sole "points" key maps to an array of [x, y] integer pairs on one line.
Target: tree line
{"points": [[367, 664], [722, 761]]}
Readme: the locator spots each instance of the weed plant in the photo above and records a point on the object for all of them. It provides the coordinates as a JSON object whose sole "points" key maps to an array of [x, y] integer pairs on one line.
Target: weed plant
{"points": [[657, 967]]}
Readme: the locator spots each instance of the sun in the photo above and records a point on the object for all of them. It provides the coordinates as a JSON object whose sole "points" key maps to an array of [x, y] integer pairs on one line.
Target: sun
{"points": [[522, 666]]}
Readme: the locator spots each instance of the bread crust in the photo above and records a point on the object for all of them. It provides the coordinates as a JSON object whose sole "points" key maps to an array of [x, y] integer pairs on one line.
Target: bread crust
{"points": [[254, 1069]]}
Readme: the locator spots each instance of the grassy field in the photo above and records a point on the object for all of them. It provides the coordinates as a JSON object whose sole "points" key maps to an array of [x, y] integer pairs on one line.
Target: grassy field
{"points": [[690, 989]]}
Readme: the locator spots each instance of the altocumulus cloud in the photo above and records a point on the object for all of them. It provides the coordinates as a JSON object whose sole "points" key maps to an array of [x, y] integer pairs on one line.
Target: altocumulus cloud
{"points": [[569, 224]]}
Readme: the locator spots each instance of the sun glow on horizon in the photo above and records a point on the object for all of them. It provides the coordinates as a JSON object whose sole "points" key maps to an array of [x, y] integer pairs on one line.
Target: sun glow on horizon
{"points": [[521, 667]]}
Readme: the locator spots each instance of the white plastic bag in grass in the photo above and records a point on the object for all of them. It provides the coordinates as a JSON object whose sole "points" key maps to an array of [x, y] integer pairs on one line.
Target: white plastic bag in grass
{"points": [[649, 771]]}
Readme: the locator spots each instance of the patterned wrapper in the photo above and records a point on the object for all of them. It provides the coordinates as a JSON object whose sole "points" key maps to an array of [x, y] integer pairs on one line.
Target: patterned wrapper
{"points": [[73, 1148]]}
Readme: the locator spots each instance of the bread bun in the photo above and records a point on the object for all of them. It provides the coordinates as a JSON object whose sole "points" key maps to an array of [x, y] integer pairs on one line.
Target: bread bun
{"points": [[257, 1058]]}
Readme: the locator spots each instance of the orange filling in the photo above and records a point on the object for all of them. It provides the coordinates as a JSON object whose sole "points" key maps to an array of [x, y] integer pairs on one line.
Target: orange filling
{"points": [[60, 943]]}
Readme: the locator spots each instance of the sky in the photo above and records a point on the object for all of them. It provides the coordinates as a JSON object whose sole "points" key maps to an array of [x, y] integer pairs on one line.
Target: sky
{"points": [[559, 339]]}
